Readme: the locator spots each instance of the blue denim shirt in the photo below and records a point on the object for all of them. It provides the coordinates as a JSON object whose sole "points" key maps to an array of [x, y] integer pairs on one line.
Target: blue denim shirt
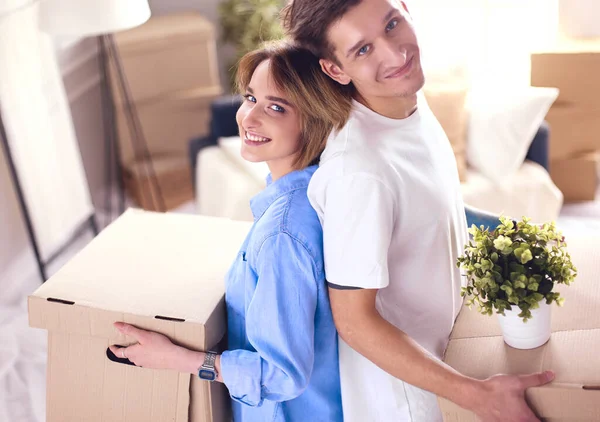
{"points": [[282, 362]]}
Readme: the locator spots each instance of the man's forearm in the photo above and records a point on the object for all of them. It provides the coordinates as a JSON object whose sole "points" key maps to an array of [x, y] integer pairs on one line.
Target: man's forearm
{"points": [[399, 355]]}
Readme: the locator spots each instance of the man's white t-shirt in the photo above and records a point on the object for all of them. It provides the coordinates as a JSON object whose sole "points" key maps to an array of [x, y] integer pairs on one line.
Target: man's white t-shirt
{"points": [[388, 196]]}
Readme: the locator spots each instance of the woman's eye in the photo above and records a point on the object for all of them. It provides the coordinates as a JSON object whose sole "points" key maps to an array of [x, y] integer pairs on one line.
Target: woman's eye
{"points": [[363, 50], [250, 98], [277, 108], [393, 23]]}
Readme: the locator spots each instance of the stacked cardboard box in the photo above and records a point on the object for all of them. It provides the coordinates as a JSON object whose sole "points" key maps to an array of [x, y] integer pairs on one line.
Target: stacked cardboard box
{"points": [[477, 348], [160, 272], [572, 66], [171, 70]]}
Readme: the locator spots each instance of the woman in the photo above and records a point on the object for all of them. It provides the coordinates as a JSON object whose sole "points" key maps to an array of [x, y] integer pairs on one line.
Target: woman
{"points": [[282, 362]]}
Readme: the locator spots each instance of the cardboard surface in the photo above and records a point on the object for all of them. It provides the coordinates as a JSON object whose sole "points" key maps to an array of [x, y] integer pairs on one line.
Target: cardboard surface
{"points": [[167, 126], [161, 272], [574, 130], [447, 102], [577, 177], [477, 349], [573, 67], [172, 175], [168, 53]]}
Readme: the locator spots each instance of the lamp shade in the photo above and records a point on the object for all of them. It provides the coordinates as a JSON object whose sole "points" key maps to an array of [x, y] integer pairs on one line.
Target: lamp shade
{"points": [[91, 17]]}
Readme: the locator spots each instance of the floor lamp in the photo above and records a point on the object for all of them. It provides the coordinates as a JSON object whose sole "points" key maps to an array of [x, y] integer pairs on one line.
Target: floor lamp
{"points": [[102, 18]]}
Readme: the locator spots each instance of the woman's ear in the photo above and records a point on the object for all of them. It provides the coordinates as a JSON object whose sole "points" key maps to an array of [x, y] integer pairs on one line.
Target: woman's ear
{"points": [[334, 72]]}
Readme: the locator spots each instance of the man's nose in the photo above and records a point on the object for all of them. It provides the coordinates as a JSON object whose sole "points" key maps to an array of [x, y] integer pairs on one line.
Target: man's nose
{"points": [[392, 54]]}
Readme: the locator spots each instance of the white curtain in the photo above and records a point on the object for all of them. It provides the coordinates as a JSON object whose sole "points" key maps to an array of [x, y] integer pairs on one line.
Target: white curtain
{"points": [[492, 38], [40, 131]]}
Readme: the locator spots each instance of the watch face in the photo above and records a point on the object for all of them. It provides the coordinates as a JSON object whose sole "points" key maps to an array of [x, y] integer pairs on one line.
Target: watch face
{"points": [[205, 374]]}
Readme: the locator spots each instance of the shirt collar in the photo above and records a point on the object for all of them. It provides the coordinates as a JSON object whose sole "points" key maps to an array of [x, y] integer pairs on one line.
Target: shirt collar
{"points": [[295, 180]]}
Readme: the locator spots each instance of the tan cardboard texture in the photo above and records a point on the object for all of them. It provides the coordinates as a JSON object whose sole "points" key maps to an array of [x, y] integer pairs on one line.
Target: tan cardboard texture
{"points": [[477, 349], [577, 177], [167, 54], [573, 67], [161, 272]]}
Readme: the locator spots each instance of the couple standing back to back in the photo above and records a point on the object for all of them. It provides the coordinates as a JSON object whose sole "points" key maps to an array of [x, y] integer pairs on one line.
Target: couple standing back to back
{"points": [[387, 195]]}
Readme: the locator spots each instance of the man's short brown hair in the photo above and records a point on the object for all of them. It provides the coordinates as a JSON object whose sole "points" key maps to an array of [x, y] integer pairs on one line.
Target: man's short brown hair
{"points": [[307, 22], [321, 103]]}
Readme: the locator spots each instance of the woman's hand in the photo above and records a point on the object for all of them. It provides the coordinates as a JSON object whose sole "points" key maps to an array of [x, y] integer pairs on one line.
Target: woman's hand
{"points": [[156, 351]]}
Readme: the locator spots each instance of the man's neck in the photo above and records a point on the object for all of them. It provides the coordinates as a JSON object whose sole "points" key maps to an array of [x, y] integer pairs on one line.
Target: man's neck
{"points": [[391, 107]]}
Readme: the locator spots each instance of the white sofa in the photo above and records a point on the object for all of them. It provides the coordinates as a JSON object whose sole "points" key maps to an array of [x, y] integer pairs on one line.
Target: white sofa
{"points": [[225, 183]]}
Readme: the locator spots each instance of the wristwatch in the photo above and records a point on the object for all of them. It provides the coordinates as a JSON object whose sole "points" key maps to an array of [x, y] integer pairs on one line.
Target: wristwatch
{"points": [[207, 371]]}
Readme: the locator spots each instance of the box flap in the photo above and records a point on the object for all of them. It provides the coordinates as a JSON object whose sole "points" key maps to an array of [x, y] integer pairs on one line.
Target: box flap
{"points": [[477, 348], [165, 266]]}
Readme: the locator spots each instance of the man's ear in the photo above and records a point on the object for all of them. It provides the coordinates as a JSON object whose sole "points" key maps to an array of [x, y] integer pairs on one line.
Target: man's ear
{"points": [[334, 72]]}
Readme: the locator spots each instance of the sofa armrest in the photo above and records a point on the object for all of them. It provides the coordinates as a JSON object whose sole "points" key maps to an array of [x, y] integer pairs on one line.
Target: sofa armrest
{"points": [[539, 148]]}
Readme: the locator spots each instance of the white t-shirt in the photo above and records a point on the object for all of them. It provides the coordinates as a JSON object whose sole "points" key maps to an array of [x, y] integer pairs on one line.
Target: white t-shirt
{"points": [[388, 195]]}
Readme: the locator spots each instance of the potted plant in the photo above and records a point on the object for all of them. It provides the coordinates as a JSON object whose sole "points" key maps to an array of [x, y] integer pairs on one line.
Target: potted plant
{"points": [[513, 271], [245, 24]]}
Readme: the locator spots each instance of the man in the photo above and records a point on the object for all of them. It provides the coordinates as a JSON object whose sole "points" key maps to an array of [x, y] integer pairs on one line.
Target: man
{"points": [[388, 195]]}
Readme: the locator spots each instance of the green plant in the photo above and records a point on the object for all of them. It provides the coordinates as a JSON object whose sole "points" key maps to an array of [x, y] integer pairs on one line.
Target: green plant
{"points": [[247, 23], [515, 265]]}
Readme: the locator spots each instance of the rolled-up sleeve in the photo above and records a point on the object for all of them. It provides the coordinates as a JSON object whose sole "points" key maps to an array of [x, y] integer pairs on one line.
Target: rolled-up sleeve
{"points": [[280, 326]]}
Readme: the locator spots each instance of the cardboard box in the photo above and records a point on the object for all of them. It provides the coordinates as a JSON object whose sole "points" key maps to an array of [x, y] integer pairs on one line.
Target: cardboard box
{"points": [[577, 177], [171, 183], [447, 102], [168, 53], [161, 272], [573, 130], [573, 67], [168, 124], [477, 349]]}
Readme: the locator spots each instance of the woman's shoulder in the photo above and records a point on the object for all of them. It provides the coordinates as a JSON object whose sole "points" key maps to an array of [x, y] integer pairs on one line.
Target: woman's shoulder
{"points": [[292, 216]]}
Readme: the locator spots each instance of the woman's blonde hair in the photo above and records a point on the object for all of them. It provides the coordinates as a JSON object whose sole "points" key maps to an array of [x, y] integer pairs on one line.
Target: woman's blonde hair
{"points": [[322, 103]]}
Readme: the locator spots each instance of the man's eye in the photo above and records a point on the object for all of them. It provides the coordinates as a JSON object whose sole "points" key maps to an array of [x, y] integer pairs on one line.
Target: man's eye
{"points": [[250, 98], [393, 23], [363, 50], [277, 108]]}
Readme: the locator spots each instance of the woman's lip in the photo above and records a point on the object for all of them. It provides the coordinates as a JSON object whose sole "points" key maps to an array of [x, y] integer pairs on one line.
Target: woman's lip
{"points": [[402, 71], [255, 143]]}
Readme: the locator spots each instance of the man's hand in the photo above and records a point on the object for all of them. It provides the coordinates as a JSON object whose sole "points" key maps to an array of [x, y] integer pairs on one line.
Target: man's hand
{"points": [[502, 397], [156, 351]]}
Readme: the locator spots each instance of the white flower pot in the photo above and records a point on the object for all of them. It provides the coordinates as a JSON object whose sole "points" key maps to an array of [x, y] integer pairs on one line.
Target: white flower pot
{"points": [[526, 335]]}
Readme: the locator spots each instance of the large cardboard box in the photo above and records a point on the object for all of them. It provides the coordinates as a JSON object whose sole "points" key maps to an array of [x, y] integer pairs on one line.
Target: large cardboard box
{"points": [[162, 181], [477, 349], [573, 67], [161, 272], [167, 124], [577, 177], [574, 130], [168, 53], [170, 69]]}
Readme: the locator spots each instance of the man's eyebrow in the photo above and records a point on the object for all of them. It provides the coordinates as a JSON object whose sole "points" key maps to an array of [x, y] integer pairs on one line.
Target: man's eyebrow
{"points": [[250, 90], [355, 47], [359, 44], [389, 15], [279, 100]]}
